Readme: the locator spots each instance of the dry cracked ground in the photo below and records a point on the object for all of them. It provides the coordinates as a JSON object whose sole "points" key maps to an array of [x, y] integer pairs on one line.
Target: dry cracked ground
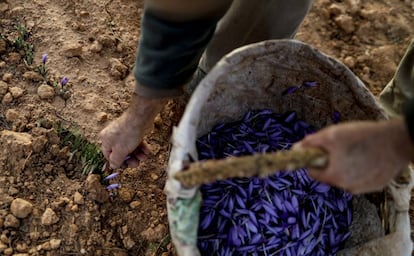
{"points": [[47, 205]]}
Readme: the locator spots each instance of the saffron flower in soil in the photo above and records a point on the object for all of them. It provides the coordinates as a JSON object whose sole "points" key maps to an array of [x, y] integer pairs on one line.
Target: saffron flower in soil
{"points": [[64, 81], [44, 58], [287, 213], [113, 186]]}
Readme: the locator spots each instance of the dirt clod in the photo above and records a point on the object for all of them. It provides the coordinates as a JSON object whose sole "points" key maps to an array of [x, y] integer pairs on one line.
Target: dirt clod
{"points": [[33, 76], [16, 92], [49, 217], [11, 221], [72, 49], [21, 208], [45, 92], [3, 88], [117, 69], [345, 22]]}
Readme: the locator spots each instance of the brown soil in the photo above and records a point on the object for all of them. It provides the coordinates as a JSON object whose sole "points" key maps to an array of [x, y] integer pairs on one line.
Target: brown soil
{"points": [[93, 43]]}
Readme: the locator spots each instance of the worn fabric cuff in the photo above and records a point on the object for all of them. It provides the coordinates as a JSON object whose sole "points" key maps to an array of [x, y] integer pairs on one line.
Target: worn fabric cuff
{"points": [[155, 93], [169, 52], [408, 110]]}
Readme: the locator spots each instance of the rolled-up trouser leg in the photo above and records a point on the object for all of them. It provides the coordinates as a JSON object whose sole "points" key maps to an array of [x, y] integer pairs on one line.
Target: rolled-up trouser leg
{"points": [[401, 88], [250, 21]]}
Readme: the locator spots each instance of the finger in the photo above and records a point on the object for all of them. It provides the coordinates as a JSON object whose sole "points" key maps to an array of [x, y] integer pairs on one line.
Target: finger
{"points": [[141, 156], [106, 152], [318, 174], [132, 162], [116, 159], [145, 148]]}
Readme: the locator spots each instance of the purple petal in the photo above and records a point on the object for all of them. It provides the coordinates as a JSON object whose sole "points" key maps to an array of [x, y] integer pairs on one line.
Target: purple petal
{"points": [[111, 176], [290, 90], [64, 81], [310, 84], [113, 186], [336, 117], [44, 58]]}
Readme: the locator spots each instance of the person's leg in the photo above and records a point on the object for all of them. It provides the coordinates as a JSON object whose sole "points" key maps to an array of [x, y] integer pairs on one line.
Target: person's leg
{"points": [[252, 21], [401, 87], [397, 92]]}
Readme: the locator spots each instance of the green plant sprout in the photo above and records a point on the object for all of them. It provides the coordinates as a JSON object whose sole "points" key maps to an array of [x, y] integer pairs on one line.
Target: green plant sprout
{"points": [[90, 155]]}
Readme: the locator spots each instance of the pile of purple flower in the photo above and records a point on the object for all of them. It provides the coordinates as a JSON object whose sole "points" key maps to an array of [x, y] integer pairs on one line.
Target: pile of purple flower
{"points": [[287, 213]]}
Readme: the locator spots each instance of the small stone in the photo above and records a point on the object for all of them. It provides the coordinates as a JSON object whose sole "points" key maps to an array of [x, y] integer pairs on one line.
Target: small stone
{"points": [[3, 64], [45, 246], [96, 47], [353, 6], [72, 49], [3, 246], [14, 57], [336, 9], [154, 176], [33, 76], [126, 194], [11, 221], [5, 200], [117, 69], [128, 242], [135, 204], [12, 115], [8, 251], [19, 143], [21, 247], [4, 7], [3, 88], [45, 92], [4, 238], [39, 143], [158, 121], [16, 92], [55, 243], [13, 191], [34, 235], [7, 77], [74, 208], [49, 217], [84, 14], [349, 61], [102, 117], [7, 99], [78, 198], [95, 189], [3, 45], [21, 208], [155, 234], [107, 40], [345, 22]]}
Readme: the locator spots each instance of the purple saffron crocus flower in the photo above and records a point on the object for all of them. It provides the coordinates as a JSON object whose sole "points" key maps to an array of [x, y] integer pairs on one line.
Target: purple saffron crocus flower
{"points": [[44, 58], [113, 186], [336, 117], [111, 176], [64, 81]]}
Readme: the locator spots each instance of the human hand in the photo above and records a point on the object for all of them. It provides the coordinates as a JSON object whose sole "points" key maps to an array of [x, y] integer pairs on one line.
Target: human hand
{"points": [[363, 156], [122, 138]]}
